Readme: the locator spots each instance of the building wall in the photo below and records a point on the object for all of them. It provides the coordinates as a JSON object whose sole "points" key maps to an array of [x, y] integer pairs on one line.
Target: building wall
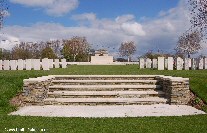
{"points": [[101, 59]]}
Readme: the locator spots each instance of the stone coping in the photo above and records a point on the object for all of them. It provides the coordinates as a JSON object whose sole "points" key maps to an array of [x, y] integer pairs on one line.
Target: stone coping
{"points": [[50, 77], [104, 86], [39, 79], [104, 92], [94, 100], [101, 81], [106, 76]]}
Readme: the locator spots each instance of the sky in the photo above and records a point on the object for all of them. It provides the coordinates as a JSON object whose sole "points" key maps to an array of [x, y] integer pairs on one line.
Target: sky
{"points": [[154, 25]]}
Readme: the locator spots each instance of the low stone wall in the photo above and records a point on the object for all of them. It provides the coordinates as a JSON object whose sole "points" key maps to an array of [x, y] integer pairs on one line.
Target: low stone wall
{"points": [[35, 90], [176, 89]]}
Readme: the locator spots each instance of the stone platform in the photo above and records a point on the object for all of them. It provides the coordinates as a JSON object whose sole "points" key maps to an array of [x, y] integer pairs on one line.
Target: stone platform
{"points": [[108, 111]]}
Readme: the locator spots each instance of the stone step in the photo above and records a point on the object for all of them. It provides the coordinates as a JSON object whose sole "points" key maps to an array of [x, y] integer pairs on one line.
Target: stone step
{"points": [[103, 87], [105, 77], [105, 94], [104, 82], [105, 101]]}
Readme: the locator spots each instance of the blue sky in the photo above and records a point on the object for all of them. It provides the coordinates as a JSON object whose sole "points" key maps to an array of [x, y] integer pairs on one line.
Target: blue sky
{"points": [[151, 24], [22, 14]]}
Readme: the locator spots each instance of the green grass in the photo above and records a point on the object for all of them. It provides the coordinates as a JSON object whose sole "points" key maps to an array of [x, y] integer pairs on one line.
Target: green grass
{"points": [[11, 83], [186, 124]]}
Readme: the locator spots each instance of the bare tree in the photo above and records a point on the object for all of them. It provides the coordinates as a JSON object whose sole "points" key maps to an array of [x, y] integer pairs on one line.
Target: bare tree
{"points": [[21, 51], [127, 49], [3, 11], [76, 46], [198, 10], [189, 43], [56, 46]]}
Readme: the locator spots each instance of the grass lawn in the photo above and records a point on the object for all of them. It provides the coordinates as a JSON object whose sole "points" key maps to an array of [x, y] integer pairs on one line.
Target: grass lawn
{"points": [[11, 83]]}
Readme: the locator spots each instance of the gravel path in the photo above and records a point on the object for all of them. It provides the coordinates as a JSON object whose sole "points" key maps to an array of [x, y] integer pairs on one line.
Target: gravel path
{"points": [[108, 111]]}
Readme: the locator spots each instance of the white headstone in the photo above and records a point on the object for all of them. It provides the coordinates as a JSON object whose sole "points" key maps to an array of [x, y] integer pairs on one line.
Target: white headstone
{"points": [[193, 64], [28, 64], [20, 64], [200, 64], [45, 64], [190, 63], [36, 63], [51, 63], [32, 63], [141, 63], [1, 64], [170, 62], [24, 64], [6, 65], [57, 63], [179, 64], [13, 64], [64, 63], [148, 63], [205, 63], [154, 63], [161, 64], [186, 63], [166, 63]]}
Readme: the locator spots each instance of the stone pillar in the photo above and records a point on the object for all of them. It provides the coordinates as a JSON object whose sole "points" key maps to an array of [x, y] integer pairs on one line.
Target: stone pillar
{"points": [[205, 63], [179, 64], [36, 63], [170, 63], [141, 63], [57, 63], [64, 63], [45, 64], [148, 63], [200, 64], [161, 63], [154, 63], [186, 64], [51, 63], [13, 64], [6, 65], [1, 64], [28, 64], [20, 64]]}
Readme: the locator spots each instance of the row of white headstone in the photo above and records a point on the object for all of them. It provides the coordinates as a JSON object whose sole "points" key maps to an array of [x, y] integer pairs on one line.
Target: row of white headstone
{"points": [[35, 64], [170, 64]]}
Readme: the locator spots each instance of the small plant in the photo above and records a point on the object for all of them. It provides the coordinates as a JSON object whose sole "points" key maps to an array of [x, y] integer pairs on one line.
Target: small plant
{"points": [[197, 100]]}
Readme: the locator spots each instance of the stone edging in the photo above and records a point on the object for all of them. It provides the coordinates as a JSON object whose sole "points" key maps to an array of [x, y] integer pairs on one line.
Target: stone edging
{"points": [[176, 89], [35, 89]]}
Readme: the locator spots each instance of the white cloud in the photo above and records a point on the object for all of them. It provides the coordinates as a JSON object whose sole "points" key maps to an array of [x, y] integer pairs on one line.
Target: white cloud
{"points": [[8, 41], [133, 29], [84, 17], [125, 18], [124, 24], [51, 7]]}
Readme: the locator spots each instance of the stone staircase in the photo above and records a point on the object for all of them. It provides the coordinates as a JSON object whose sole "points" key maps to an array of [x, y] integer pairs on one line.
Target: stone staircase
{"points": [[104, 90]]}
